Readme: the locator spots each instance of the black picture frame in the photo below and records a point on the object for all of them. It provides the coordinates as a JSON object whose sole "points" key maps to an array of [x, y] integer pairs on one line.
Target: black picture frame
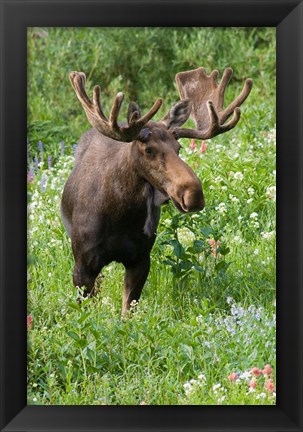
{"points": [[16, 16]]}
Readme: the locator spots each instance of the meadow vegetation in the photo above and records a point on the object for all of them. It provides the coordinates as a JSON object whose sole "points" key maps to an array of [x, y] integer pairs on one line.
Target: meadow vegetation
{"points": [[204, 330]]}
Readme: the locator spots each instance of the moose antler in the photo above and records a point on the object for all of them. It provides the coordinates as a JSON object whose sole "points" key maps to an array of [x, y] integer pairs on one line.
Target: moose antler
{"points": [[207, 99], [109, 126]]}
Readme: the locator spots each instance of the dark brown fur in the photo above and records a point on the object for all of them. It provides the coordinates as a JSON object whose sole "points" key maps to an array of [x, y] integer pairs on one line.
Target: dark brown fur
{"points": [[111, 201]]}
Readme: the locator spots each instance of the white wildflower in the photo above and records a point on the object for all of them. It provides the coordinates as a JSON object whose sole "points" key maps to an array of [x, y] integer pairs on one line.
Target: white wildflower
{"points": [[216, 386], [202, 377], [221, 208], [238, 176], [271, 192], [268, 235], [254, 215]]}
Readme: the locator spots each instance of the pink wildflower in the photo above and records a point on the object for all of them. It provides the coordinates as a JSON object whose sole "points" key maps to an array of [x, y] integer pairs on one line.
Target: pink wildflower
{"points": [[214, 245], [256, 371], [253, 383], [233, 376], [203, 147], [29, 321], [192, 144], [267, 369], [270, 386]]}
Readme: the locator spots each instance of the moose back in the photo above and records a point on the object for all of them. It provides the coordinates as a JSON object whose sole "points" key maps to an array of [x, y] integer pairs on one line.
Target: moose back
{"points": [[123, 173]]}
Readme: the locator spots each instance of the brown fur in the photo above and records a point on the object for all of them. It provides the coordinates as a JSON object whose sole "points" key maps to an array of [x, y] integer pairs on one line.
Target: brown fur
{"points": [[111, 201]]}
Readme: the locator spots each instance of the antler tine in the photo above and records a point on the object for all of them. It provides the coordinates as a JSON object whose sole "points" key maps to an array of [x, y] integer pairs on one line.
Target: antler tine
{"points": [[109, 127], [96, 102], [113, 117], [207, 102], [154, 109], [238, 101], [78, 80]]}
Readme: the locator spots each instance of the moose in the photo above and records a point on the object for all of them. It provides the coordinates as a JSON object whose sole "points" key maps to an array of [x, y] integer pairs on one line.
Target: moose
{"points": [[124, 172]]}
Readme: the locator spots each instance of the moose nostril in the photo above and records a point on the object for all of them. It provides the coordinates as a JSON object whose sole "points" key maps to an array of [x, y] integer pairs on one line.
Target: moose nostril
{"points": [[193, 200]]}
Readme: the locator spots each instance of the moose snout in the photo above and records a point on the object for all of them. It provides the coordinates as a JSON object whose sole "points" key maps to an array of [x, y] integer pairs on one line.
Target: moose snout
{"points": [[193, 199]]}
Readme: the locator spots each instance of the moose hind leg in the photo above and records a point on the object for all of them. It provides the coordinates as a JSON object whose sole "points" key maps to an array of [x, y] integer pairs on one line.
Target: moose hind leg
{"points": [[85, 273], [134, 280]]}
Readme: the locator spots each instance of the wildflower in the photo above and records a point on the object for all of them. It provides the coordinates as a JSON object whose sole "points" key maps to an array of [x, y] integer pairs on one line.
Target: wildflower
{"points": [[250, 191], [203, 147], [29, 320], [271, 192], [192, 145], [133, 303], [233, 376], [267, 369], [30, 175], [267, 235], [254, 215], [270, 386], [36, 161], [216, 386], [221, 208], [214, 245], [62, 147], [43, 182], [261, 395], [202, 377], [253, 384], [256, 252], [249, 201], [251, 390], [245, 375], [238, 176], [75, 149], [256, 371], [199, 319], [143, 403], [50, 161], [40, 146]]}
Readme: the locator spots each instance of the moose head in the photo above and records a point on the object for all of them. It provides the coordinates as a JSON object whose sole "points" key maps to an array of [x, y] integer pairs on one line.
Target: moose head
{"points": [[124, 172]]}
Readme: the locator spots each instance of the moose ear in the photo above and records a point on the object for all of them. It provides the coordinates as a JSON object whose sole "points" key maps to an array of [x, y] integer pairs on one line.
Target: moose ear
{"points": [[178, 114], [133, 112]]}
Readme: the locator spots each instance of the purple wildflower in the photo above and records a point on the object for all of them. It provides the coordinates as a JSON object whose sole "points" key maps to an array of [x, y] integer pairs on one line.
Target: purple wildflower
{"points": [[43, 182], [30, 175], [27, 149], [50, 161], [62, 147], [40, 146], [36, 161]]}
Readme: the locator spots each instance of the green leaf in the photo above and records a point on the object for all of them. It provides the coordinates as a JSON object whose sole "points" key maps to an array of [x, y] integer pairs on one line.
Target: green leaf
{"points": [[91, 354], [222, 266], [73, 335], [83, 317], [206, 231]]}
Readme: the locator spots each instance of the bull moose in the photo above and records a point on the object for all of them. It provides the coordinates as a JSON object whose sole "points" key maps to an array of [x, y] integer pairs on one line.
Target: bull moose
{"points": [[124, 172]]}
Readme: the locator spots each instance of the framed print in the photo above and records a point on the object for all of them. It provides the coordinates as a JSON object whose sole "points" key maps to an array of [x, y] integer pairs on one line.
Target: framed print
{"points": [[214, 343]]}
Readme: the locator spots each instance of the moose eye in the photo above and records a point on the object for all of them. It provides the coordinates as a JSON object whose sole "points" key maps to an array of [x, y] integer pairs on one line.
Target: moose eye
{"points": [[149, 150]]}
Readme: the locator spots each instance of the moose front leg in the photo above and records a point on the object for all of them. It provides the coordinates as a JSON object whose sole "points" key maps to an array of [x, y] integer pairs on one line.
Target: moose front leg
{"points": [[85, 273], [134, 280]]}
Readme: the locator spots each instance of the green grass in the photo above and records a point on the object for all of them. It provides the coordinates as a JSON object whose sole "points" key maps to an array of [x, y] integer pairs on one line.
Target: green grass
{"points": [[208, 306]]}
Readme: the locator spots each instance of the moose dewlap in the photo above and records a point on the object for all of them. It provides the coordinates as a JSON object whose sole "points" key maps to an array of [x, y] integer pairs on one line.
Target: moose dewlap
{"points": [[124, 172]]}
